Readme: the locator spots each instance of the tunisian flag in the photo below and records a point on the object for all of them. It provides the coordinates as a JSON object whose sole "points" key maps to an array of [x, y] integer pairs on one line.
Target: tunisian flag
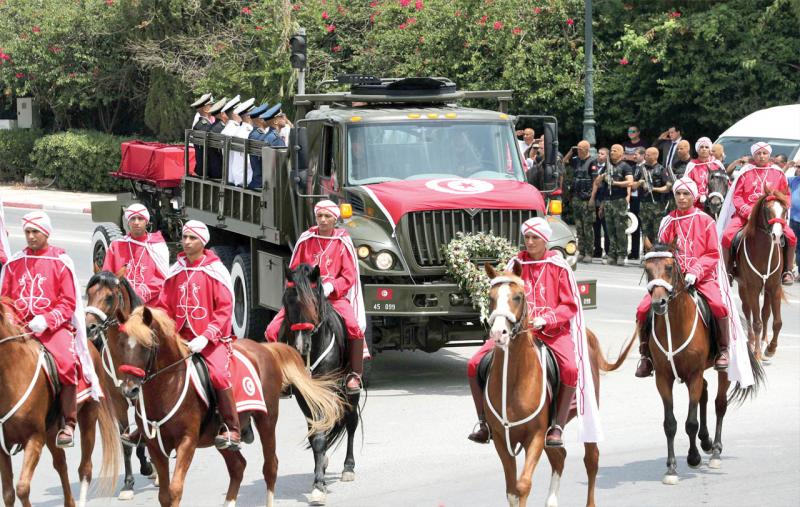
{"points": [[396, 198]]}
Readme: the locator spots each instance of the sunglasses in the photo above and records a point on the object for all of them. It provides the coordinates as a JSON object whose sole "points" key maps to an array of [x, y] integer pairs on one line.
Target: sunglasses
{"points": [[633, 132]]}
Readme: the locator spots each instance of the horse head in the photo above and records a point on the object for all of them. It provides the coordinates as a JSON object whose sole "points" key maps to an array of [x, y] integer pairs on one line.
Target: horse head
{"points": [[718, 184], [302, 301], [769, 214], [110, 299], [508, 307], [664, 277]]}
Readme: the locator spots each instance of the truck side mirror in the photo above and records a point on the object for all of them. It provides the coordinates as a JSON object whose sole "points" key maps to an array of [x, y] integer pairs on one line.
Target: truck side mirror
{"points": [[550, 143]]}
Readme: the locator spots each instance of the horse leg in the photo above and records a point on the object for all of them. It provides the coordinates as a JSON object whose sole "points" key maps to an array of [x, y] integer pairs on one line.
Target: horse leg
{"points": [[236, 464], [591, 460], [320, 491], [351, 420], [705, 440], [777, 324], [696, 388], [60, 466], [33, 451], [161, 464], [720, 406], [126, 493], [87, 421], [184, 454], [509, 470], [664, 385], [7, 475], [265, 425], [765, 315], [532, 454], [556, 456]]}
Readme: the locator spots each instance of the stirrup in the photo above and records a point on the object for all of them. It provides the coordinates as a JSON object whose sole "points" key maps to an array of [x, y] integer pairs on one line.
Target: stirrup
{"points": [[126, 439], [554, 443], [224, 442], [478, 428], [64, 444], [642, 359], [349, 390], [727, 357], [787, 282]]}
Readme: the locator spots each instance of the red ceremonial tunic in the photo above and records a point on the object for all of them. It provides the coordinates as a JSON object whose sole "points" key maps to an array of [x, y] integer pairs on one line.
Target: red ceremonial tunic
{"points": [[39, 283], [697, 253], [698, 172], [143, 272], [548, 291], [202, 305], [337, 267], [749, 187]]}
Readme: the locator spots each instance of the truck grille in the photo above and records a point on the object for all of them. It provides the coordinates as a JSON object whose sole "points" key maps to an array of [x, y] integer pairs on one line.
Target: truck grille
{"points": [[428, 231]]}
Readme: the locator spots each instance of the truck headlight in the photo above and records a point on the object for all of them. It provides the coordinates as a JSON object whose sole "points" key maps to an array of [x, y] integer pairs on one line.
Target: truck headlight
{"points": [[363, 252], [571, 248], [384, 260]]}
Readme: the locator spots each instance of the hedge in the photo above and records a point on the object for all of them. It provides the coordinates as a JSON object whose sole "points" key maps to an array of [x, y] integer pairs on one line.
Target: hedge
{"points": [[81, 160], [15, 150]]}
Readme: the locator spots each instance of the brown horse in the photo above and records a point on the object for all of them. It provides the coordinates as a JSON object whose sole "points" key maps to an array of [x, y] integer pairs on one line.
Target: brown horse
{"points": [[759, 262], [107, 296], [31, 422], [516, 385], [681, 349], [150, 344]]}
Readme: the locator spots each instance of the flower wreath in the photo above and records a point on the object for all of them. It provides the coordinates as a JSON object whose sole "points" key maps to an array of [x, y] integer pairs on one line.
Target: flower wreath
{"points": [[458, 255]]}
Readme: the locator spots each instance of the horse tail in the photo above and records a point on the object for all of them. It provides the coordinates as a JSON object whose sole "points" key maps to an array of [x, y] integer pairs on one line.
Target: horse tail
{"points": [[738, 395], [112, 447], [321, 394], [602, 363]]}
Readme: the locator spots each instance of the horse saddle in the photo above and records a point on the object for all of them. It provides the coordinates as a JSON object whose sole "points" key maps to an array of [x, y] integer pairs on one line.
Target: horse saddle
{"points": [[553, 375], [204, 378], [52, 372]]}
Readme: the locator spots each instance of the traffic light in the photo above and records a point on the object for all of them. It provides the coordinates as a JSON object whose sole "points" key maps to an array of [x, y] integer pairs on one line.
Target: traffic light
{"points": [[298, 57]]}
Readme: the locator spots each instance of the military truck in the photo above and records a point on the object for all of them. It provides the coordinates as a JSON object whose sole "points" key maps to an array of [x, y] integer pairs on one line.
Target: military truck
{"points": [[410, 166]]}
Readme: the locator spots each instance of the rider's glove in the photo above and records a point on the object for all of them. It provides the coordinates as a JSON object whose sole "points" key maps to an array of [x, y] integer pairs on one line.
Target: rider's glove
{"points": [[538, 323], [38, 324], [690, 279], [327, 288], [702, 199], [197, 344]]}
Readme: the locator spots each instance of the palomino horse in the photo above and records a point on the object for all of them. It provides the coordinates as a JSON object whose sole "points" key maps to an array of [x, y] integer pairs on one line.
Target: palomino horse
{"points": [[318, 334], [718, 184], [759, 263], [681, 349], [174, 417], [107, 295], [516, 385], [26, 406]]}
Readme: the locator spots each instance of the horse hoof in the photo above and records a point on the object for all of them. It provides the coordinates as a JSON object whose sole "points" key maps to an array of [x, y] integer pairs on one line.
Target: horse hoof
{"points": [[317, 497], [155, 480], [125, 494], [715, 463], [696, 466], [766, 359], [348, 476], [670, 480]]}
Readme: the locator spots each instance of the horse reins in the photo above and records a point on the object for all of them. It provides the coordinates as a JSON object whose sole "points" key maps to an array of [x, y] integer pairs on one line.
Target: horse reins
{"points": [[772, 248], [40, 364]]}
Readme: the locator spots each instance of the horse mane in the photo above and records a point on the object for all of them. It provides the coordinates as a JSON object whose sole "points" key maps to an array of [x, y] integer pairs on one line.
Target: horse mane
{"points": [[306, 294], [143, 334], [658, 246], [110, 280], [752, 224]]}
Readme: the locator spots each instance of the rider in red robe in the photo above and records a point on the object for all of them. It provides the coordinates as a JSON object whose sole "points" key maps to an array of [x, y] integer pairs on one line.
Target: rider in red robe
{"points": [[198, 295], [697, 253], [749, 186], [699, 168], [40, 281], [144, 256], [551, 308], [332, 250]]}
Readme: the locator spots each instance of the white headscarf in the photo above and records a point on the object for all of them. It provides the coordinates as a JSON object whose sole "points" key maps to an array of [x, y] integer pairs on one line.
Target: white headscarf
{"points": [[37, 220], [197, 228], [686, 184], [136, 209], [537, 226], [760, 146], [328, 206]]}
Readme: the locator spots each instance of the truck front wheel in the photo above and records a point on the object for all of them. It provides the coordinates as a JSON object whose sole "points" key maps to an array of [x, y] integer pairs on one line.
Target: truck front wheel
{"points": [[102, 237], [248, 321]]}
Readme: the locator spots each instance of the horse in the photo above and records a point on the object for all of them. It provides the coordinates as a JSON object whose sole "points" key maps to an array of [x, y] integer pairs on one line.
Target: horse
{"points": [[29, 418], [106, 294], [718, 184], [155, 372], [682, 349], [759, 261], [517, 384], [317, 332]]}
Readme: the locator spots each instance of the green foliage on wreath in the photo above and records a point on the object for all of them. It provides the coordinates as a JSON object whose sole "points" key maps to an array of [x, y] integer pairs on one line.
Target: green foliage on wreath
{"points": [[458, 255]]}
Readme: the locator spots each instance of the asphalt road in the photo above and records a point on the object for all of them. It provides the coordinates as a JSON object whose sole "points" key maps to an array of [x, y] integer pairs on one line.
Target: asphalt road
{"points": [[414, 450]]}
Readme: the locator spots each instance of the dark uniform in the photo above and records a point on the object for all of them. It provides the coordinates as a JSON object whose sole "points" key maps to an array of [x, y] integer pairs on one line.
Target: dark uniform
{"points": [[255, 162], [583, 173], [654, 205], [214, 155], [271, 138], [203, 125], [679, 167], [633, 207], [616, 209]]}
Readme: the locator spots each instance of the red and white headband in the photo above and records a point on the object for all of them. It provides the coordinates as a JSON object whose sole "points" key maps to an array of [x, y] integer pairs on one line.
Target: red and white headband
{"points": [[39, 221], [760, 146], [703, 141], [137, 210], [198, 229], [687, 184], [328, 206], [537, 226]]}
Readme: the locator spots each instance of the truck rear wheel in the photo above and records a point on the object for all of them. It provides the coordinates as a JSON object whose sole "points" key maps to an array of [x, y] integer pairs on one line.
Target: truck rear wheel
{"points": [[248, 321], [102, 237], [225, 253]]}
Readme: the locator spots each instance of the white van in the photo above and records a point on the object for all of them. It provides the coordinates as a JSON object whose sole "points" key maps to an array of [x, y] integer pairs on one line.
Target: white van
{"points": [[779, 126]]}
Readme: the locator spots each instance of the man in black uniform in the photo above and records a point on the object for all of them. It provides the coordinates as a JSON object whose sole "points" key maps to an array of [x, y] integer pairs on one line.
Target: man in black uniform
{"points": [[618, 176], [655, 189], [202, 122], [682, 158], [582, 195], [214, 155]]}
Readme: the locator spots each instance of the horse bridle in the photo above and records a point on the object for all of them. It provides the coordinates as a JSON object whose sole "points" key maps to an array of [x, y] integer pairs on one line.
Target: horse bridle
{"points": [[144, 374], [520, 324], [106, 320], [660, 282], [770, 221]]}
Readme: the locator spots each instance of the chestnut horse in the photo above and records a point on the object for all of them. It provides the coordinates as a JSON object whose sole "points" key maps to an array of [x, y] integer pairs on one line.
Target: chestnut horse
{"points": [[681, 349], [759, 261], [516, 385], [174, 417], [107, 295], [29, 419]]}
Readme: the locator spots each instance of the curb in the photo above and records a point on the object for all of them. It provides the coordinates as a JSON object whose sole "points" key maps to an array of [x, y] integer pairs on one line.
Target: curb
{"points": [[48, 207]]}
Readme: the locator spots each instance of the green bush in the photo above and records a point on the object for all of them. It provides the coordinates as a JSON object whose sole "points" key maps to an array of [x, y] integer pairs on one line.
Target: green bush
{"points": [[80, 160], [15, 153]]}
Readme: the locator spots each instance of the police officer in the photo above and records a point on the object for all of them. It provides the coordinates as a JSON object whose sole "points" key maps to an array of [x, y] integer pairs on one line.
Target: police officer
{"points": [[655, 188], [202, 122], [582, 192], [214, 156], [618, 177], [274, 124], [259, 133]]}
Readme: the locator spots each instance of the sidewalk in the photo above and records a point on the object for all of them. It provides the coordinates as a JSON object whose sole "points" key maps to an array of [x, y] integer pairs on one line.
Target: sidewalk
{"points": [[20, 196]]}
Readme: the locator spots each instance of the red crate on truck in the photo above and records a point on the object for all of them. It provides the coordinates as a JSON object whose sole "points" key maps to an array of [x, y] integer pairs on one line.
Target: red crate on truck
{"points": [[157, 163]]}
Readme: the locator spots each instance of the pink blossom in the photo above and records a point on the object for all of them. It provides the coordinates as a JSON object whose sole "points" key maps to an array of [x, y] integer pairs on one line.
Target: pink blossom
{"points": [[330, 28], [623, 61], [402, 26], [247, 11], [296, 7], [419, 5], [570, 21], [404, 3], [340, 9], [537, 10], [19, 75], [675, 14], [373, 4], [259, 28], [109, 2], [36, 29], [498, 25], [411, 21], [71, 74], [372, 18], [516, 30], [325, 15], [458, 13], [336, 48], [483, 19]]}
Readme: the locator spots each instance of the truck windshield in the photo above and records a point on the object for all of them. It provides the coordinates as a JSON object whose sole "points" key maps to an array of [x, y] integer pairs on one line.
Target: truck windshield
{"points": [[431, 149], [737, 147]]}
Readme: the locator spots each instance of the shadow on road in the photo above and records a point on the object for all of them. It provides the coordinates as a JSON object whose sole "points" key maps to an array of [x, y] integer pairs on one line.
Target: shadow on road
{"points": [[650, 471], [402, 373]]}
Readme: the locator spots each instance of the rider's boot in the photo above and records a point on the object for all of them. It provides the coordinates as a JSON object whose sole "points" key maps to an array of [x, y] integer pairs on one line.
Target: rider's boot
{"points": [[787, 278], [131, 438], [554, 433], [229, 438], [723, 338], [480, 433], [645, 366], [356, 353], [69, 409]]}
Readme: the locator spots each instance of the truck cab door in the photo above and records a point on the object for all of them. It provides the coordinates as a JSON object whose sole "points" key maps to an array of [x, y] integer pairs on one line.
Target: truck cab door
{"points": [[308, 155]]}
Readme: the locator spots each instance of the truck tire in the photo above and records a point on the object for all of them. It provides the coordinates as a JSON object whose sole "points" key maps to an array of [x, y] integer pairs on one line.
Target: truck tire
{"points": [[102, 237], [248, 321], [225, 253]]}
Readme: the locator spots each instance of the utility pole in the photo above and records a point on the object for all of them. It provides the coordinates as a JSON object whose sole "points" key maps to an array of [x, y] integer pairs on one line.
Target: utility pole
{"points": [[588, 100]]}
